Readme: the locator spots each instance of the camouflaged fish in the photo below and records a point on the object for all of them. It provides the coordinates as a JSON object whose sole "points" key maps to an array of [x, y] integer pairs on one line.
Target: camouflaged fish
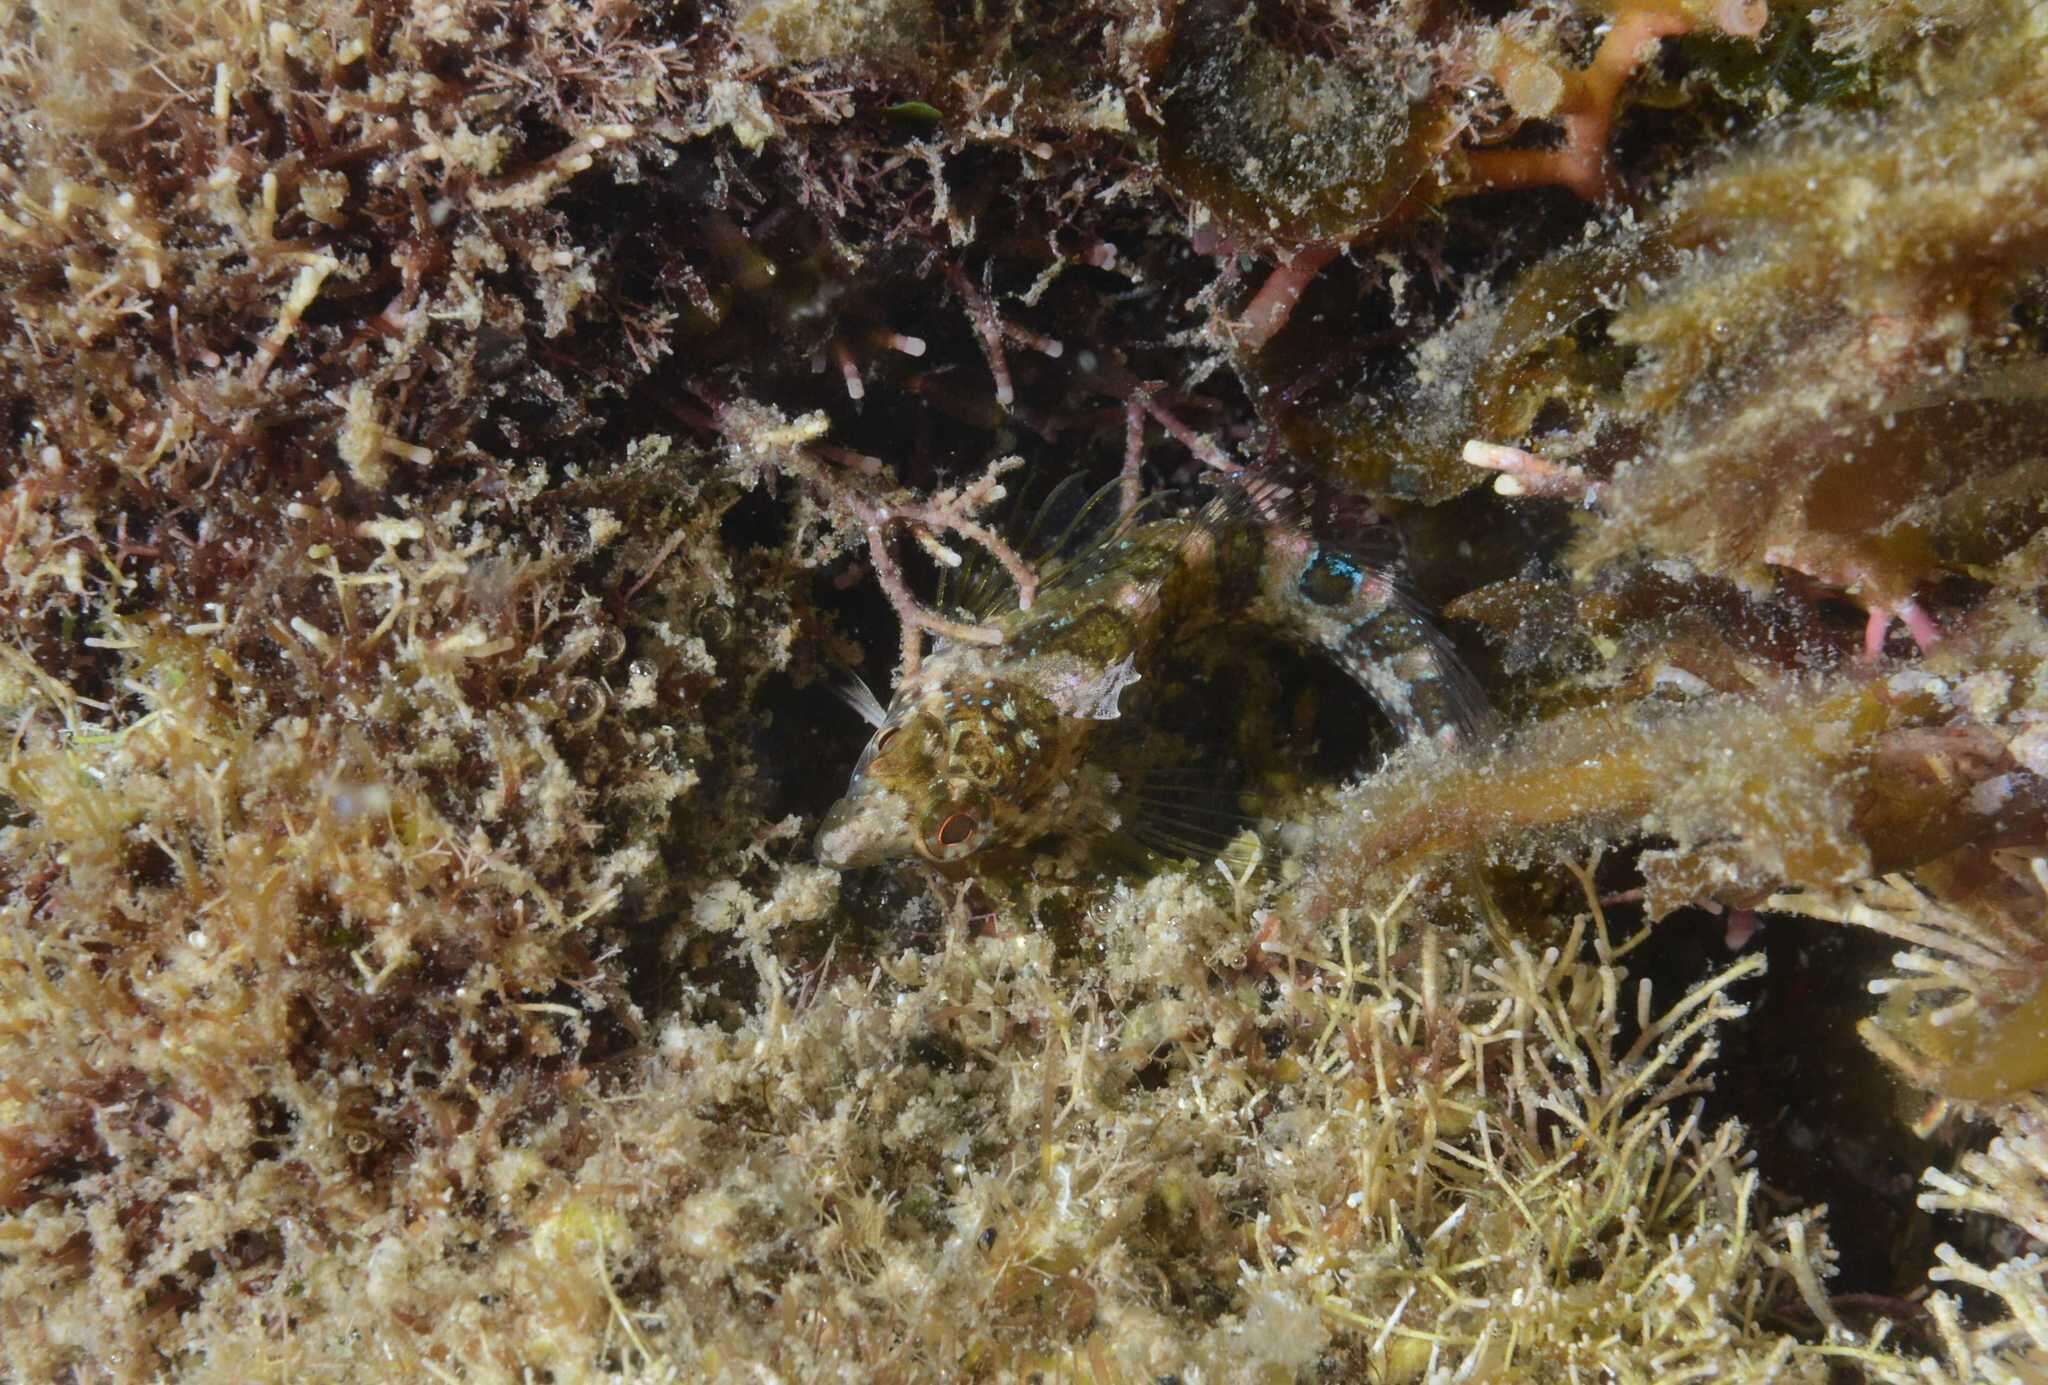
{"points": [[993, 745]]}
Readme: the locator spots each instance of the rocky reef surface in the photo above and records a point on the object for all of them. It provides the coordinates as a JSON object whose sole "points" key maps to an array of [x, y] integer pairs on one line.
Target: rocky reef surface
{"points": [[454, 450]]}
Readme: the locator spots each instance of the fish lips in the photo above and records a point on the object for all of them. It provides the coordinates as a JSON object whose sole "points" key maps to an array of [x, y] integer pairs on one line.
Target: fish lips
{"points": [[866, 828]]}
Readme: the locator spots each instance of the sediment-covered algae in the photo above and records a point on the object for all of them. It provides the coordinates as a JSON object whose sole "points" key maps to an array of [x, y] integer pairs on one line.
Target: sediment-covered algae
{"points": [[442, 443]]}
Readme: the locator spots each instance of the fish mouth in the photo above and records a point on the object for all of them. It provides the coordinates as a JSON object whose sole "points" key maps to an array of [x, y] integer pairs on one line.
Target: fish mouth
{"points": [[864, 829]]}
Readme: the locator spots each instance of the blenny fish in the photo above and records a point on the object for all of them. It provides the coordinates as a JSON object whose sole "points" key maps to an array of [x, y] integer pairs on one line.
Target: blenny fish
{"points": [[991, 745]]}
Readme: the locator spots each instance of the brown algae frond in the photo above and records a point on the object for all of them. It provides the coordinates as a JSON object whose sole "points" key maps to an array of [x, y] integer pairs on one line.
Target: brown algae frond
{"points": [[451, 449]]}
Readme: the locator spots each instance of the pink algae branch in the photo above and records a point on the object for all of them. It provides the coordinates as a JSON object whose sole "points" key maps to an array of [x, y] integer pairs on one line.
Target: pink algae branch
{"points": [[1918, 624], [1856, 581], [858, 488], [1274, 303], [1586, 112], [950, 510], [1521, 473], [993, 330]]}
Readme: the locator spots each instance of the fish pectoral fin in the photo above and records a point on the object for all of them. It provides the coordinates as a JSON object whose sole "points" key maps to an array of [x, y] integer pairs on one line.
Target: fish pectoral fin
{"points": [[1187, 815], [853, 690]]}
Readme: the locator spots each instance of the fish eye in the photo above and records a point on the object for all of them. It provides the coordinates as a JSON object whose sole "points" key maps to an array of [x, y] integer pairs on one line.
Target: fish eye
{"points": [[875, 747], [951, 834]]}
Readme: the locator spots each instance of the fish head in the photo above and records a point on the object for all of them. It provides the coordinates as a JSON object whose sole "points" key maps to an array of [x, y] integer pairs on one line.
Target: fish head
{"points": [[944, 777]]}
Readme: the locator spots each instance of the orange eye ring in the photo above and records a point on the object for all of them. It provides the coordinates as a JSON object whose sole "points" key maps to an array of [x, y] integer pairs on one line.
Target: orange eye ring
{"points": [[956, 826], [957, 830]]}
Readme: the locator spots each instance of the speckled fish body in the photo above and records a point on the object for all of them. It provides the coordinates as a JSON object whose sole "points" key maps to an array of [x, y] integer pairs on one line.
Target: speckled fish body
{"points": [[991, 744]]}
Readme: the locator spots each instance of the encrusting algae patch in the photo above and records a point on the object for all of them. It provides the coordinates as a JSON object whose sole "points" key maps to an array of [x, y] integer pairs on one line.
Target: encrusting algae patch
{"points": [[456, 452]]}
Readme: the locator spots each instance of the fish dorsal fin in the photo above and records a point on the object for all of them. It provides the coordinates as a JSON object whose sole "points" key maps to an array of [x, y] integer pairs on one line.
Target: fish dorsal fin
{"points": [[1285, 499], [1056, 532], [1098, 523], [981, 589]]}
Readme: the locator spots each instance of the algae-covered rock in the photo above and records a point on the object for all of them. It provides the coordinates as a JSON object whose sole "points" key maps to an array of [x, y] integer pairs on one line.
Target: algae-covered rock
{"points": [[456, 451]]}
